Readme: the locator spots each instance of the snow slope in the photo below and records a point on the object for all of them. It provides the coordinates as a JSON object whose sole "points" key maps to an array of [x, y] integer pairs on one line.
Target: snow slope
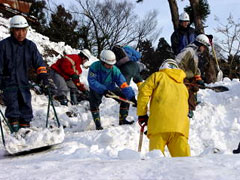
{"points": [[112, 152]]}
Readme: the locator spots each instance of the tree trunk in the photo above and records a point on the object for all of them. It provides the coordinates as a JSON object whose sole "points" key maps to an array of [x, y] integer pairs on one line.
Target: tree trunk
{"points": [[197, 19], [174, 12]]}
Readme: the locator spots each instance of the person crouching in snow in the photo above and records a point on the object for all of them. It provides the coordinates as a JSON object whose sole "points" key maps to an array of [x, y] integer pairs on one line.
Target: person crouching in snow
{"points": [[65, 74], [17, 56], [168, 122], [102, 79]]}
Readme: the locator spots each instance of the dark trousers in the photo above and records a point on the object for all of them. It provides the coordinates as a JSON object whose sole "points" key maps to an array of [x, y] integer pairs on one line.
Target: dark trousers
{"points": [[18, 103], [95, 99]]}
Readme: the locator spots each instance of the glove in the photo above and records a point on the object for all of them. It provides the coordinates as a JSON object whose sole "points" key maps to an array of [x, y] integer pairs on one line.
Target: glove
{"points": [[107, 92], [75, 78], [43, 80], [81, 87], [76, 81], [134, 101], [201, 83], [143, 120]]}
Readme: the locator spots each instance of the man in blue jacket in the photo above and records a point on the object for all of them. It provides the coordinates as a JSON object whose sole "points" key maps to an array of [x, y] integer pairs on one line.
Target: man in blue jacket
{"points": [[102, 78], [17, 56]]}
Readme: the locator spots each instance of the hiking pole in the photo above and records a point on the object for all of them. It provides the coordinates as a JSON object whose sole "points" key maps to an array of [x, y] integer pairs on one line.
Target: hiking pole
{"points": [[50, 102], [141, 136]]}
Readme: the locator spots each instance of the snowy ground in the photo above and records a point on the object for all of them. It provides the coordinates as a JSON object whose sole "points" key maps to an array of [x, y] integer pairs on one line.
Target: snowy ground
{"points": [[112, 153]]}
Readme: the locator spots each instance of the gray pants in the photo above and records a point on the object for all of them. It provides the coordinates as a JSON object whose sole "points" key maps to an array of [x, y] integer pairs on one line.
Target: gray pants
{"points": [[63, 86]]}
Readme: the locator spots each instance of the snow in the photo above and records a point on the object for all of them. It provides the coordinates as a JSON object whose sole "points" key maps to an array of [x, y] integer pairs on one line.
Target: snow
{"points": [[112, 152]]}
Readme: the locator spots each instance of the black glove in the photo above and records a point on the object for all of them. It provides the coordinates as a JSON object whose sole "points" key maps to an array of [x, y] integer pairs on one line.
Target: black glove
{"points": [[107, 92], [43, 80], [143, 120], [134, 101]]}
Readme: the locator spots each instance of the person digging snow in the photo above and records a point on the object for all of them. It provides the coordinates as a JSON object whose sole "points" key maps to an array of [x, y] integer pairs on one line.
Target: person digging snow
{"points": [[65, 74], [17, 56], [129, 68], [103, 76], [188, 60], [168, 123]]}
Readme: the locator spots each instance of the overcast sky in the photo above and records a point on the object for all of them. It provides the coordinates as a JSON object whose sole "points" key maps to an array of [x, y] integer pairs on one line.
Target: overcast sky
{"points": [[219, 8]]}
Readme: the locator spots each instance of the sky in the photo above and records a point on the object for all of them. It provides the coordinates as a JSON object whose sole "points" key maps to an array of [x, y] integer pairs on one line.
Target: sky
{"points": [[219, 8], [88, 154]]}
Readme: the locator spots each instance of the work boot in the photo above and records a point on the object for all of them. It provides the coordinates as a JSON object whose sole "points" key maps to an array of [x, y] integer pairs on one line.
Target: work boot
{"points": [[73, 96], [122, 117], [190, 114], [237, 151], [24, 123], [96, 119], [14, 124], [62, 99]]}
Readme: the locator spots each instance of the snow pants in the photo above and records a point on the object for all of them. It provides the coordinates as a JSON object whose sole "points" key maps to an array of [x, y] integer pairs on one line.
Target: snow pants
{"points": [[63, 86], [18, 103], [176, 142]]}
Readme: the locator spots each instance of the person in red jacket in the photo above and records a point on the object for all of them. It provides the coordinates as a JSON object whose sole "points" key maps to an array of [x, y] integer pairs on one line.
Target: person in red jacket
{"points": [[65, 74]]}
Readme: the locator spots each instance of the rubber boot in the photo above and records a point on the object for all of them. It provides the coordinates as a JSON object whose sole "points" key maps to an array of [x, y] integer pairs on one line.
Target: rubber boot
{"points": [[24, 123], [237, 151], [122, 117], [14, 124], [73, 96], [96, 119]]}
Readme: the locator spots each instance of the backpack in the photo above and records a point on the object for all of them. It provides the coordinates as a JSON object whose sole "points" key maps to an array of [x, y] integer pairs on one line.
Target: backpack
{"points": [[132, 53], [119, 52], [125, 54]]}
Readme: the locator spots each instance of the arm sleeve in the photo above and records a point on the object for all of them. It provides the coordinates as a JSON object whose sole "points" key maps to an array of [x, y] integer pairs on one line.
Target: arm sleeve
{"points": [[93, 82], [144, 95], [175, 43]]}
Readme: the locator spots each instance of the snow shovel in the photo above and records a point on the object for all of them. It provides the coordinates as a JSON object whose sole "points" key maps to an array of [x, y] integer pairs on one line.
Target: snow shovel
{"points": [[114, 96], [220, 73], [31, 140], [214, 88], [141, 136]]}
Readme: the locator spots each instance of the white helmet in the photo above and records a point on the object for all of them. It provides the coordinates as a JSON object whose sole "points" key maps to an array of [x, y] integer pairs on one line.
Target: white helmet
{"points": [[86, 53], [184, 17], [203, 39], [18, 21], [169, 64], [108, 57]]}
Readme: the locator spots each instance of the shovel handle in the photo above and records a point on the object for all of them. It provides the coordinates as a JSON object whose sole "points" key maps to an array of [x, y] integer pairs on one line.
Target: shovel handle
{"points": [[141, 137]]}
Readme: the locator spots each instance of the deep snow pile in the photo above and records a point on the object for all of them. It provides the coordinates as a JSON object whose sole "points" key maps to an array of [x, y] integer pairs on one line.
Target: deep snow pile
{"points": [[112, 152]]}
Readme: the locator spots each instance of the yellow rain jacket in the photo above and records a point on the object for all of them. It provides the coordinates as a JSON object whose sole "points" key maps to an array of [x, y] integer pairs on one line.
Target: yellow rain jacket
{"points": [[168, 98]]}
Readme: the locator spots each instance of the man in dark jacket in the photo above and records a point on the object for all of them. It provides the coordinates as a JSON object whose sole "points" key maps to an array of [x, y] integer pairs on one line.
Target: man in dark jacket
{"points": [[184, 35], [17, 56]]}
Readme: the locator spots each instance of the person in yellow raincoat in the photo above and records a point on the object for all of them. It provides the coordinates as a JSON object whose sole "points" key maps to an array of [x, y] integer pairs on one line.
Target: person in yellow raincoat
{"points": [[168, 122]]}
